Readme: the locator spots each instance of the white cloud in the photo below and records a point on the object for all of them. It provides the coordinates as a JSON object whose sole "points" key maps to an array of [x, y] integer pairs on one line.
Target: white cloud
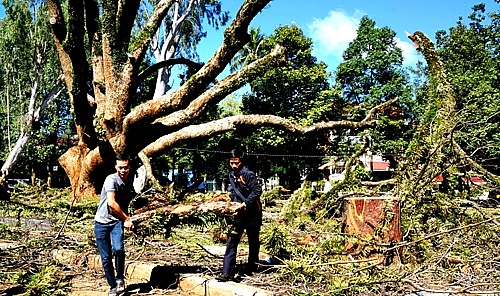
{"points": [[332, 34], [410, 54]]}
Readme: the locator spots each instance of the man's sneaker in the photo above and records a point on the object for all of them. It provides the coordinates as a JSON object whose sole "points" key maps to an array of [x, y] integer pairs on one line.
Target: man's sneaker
{"points": [[120, 285], [224, 277], [112, 292]]}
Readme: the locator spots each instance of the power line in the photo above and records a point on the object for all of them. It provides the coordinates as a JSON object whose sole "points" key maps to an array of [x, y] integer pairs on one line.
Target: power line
{"points": [[256, 154]]}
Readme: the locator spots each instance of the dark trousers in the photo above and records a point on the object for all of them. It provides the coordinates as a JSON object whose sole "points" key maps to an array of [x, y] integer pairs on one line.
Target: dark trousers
{"points": [[109, 239], [252, 227]]}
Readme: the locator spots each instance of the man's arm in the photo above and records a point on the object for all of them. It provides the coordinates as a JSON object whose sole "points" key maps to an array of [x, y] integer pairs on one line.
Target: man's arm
{"points": [[256, 190], [115, 207]]}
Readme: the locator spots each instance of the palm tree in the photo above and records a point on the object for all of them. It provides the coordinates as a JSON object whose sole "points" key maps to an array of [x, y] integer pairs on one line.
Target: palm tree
{"points": [[249, 52]]}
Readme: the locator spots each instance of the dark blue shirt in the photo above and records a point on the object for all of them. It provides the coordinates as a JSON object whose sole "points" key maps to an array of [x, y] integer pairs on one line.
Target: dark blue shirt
{"points": [[246, 182]]}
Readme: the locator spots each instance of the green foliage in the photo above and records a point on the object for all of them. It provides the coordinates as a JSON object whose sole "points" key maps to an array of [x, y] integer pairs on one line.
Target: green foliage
{"points": [[470, 55], [49, 280], [230, 106], [361, 173], [294, 90], [300, 270], [270, 197], [158, 225], [372, 73], [334, 244], [300, 199], [250, 51], [10, 233], [276, 240]]}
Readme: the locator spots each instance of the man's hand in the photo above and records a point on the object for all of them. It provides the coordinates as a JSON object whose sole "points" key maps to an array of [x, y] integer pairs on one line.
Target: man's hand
{"points": [[240, 209], [128, 224]]}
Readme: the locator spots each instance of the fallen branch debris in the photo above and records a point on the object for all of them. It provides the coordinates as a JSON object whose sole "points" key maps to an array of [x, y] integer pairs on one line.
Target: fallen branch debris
{"points": [[220, 205]]}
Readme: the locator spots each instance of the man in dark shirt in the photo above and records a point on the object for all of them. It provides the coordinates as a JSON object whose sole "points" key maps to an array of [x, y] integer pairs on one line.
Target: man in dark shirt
{"points": [[244, 188]]}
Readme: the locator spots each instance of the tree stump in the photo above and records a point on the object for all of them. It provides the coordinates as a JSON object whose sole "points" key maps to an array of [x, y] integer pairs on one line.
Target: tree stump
{"points": [[376, 218]]}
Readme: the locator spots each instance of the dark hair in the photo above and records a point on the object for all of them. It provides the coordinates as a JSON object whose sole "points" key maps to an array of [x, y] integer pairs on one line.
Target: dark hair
{"points": [[237, 153], [122, 156]]}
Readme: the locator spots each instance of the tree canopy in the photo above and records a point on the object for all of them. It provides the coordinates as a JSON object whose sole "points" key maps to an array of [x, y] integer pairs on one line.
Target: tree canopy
{"points": [[101, 37], [372, 72]]}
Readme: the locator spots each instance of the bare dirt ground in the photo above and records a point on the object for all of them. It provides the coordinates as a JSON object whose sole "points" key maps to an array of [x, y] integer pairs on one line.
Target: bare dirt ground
{"points": [[174, 259]]}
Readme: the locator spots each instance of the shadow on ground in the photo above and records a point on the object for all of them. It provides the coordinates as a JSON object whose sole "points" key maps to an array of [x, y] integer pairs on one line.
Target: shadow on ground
{"points": [[167, 277]]}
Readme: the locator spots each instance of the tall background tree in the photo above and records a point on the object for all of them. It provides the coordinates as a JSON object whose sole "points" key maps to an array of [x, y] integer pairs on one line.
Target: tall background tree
{"points": [[300, 92], [179, 33], [30, 82], [372, 72]]}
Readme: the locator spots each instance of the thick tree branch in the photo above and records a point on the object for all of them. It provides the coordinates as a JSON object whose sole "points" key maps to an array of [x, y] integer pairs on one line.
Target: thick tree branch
{"points": [[59, 32], [69, 41], [235, 36], [256, 121], [126, 19], [150, 28], [92, 23], [57, 21], [426, 154], [108, 45], [74, 43], [223, 88]]}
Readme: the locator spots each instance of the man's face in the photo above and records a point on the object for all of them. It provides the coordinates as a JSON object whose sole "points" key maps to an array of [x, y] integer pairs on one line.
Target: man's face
{"points": [[235, 164], [123, 168]]}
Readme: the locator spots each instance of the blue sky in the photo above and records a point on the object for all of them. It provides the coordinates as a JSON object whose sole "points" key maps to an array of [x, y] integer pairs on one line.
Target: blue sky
{"points": [[332, 24]]}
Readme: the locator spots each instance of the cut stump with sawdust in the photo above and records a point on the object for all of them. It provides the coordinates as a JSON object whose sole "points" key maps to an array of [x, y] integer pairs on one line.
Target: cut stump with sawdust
{"points": [[374, 217]]}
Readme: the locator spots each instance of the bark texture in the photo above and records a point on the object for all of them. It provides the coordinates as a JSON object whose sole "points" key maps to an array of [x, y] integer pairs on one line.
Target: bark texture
{"points": [[220, 205]]}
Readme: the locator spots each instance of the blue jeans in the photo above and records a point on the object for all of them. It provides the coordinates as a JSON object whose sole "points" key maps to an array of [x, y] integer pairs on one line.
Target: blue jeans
{"points": [[109, 239]]}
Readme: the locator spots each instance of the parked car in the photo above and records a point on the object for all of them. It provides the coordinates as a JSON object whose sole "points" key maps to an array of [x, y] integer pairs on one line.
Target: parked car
{"points": [[12, 182]]}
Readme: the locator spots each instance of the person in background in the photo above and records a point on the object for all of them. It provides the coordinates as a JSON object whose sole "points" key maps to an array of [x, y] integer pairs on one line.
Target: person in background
{"points": [[244, 188], [110, 221]]}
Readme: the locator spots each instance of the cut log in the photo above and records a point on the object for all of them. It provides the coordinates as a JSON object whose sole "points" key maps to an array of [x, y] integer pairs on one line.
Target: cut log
{"points": [[220, 205], [376, 218]]}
